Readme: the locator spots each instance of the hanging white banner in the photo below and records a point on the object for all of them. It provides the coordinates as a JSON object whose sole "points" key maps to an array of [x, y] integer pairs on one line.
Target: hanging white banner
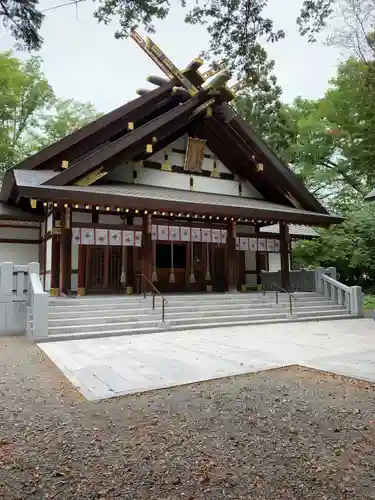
{"points": [[253, 244], [244, 244], [115, 238], [76, 236], [206, 235], [163, 233], [128, 238], [174, 233], [154, 232], [101, 236], [138, 239], [216, 236], [87, 236], [261, 244], [185, 234], [277, 246], [196, 234], [270, 245], [224, 233]]}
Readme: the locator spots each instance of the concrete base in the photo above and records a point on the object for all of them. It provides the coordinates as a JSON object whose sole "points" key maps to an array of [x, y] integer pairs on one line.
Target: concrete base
{"points": [[13, 318]]}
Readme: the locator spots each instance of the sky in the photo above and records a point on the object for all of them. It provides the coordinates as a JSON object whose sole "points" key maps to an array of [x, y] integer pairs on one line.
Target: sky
{"points": [[84, 61]]}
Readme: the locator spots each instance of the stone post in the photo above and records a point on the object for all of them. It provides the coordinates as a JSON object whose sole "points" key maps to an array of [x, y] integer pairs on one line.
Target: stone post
{"points": [[6, 279], [331, 272], [356, 301], [319, 271], [39, 303]]}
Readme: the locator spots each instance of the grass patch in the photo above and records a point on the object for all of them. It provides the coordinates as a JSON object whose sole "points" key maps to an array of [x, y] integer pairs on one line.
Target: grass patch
{"points": [[369, 302]]}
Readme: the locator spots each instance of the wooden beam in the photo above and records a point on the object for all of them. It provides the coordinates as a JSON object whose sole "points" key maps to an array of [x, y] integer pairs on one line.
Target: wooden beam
{"points": [[284, 255], [97, 131], [281, 174], [91, 177], [131, 141]]}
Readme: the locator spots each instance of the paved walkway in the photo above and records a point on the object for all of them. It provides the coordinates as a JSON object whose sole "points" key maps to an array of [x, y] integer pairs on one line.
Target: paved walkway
{"points": [[107, 367]]}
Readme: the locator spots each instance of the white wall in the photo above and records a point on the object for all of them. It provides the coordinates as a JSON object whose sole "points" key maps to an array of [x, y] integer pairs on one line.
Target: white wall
{"points": [[19, 253], [152, 177], [274, 262], [20, 233], [82, 216]]}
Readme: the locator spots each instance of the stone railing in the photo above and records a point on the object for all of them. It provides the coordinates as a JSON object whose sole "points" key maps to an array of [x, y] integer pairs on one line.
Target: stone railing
{"points": [[301, 280], [21, 295], [37, 312], [327, 285]]}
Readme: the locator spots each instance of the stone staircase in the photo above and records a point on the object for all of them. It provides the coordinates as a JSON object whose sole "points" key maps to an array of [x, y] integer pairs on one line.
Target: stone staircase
{"points": [[114, 315]]}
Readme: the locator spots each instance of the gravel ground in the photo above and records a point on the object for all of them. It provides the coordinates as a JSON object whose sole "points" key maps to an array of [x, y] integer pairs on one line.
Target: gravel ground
{"points": [[288, 433]]}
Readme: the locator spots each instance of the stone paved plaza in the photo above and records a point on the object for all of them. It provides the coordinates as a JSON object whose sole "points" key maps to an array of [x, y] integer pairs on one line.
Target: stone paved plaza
{"points": [[107, 367]]}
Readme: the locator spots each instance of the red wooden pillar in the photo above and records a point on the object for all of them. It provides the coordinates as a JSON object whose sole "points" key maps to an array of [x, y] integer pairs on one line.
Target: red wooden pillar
{"points": [[81, 289], [130, 263], [147, 251], [284, 255], [231, 257], [55, 263], [258, 263], [66, 254]]}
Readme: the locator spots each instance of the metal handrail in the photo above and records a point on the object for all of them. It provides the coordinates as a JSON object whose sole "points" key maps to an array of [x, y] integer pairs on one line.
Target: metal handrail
{"points": [[154, 292], [291, 296]]}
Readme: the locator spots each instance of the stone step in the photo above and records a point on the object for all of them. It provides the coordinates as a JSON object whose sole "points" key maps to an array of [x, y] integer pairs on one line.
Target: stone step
{"points": [[191, 298], [97, 323], [165, 328], [116, 315], [144, 308], [147, 303]]}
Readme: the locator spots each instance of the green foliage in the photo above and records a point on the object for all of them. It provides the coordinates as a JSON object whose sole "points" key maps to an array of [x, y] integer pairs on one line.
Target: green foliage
{"points": [[23, 19], [31, 117], [348, 246], [369, 302]]}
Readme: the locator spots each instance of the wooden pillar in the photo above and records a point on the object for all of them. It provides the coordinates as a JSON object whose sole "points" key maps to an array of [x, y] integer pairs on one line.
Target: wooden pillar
{"points": [[66, 254], [55, 263], [231, 257], [130, 263], [147, 250], [82, 252], [284, 255], [258, 263]]}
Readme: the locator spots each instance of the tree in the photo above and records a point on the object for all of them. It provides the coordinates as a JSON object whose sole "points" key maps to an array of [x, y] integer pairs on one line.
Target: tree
{"points": [[30, 114], [65, 116], [348, 246], [25, 95], [329, 142], [23, 19]]}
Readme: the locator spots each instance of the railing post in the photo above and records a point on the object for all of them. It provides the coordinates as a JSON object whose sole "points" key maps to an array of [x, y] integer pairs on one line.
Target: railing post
{"points": [[153, 299], [319, 272], [325, 289], [290, 305], [340, 297], [6, 279], [39, 303], [331, 272], [277, 296], [356, 301], [163, 311]]}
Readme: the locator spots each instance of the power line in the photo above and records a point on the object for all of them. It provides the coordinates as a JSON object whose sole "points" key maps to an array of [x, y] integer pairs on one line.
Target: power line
{"points": [[74, 2]]}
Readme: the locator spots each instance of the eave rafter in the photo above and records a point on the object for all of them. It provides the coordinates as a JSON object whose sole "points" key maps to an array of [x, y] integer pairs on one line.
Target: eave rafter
{"points": [[134, 142]]}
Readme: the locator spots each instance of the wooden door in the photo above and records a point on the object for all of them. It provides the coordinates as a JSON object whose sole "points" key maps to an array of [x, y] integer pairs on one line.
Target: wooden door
{"points": [[219, 275], [103, 269]]}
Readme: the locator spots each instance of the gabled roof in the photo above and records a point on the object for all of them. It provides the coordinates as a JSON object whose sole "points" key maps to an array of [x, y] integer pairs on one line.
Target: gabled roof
{"points": [[142, 127]]}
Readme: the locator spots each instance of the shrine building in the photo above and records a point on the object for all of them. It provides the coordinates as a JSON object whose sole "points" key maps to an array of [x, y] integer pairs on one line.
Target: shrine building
{"points": [[173, 188]]}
